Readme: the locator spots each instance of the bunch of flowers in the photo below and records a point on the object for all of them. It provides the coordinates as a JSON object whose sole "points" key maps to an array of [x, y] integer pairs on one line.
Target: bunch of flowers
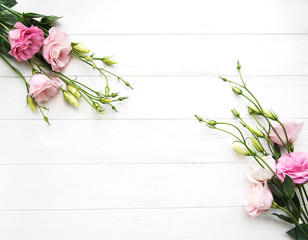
{"points": [[278, 174], [30, 37]]}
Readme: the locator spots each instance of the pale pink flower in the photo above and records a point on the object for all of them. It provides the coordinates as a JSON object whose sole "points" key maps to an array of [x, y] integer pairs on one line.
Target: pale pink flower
{"points": [[56, 49], [42, 88], [257, 174], [25, 42], [258, 200], [293, 128], [295, 165]]}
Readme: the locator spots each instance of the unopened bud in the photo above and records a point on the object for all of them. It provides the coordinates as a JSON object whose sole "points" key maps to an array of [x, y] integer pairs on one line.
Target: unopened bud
{"points": [[211, 122], [237, 90], [256, 131], [257, 145], [73, 91], [235, 112], [254, 110], [241, 149], [238, 65], [105, 100], [79, 47], [122, 98], [88, 58], [114, 95], [109, 61], [107, 90], [31, 103], [224, 79], [98, 108], [270, 114], [199, 118], [70, 98]]}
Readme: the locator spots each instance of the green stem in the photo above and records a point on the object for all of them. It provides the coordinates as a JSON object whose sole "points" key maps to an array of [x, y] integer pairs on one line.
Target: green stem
{"points": [[303, 200], [5, 27]]}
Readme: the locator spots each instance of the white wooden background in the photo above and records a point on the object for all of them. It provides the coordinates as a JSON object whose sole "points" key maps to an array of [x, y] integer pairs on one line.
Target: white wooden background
{"points": [[151, 171]]}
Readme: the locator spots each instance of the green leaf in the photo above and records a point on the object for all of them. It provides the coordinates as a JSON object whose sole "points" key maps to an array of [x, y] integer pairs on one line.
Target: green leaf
{"points": [[288, 187], [5, 47], [277, 151], [49, 19], [8, 3], [8, 18], [297, 233], [284, 217], [296, 211], [33, 15]]}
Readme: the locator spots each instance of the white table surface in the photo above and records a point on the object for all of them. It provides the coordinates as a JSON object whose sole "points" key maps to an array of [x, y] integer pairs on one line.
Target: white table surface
{"points": [[151, 171]]}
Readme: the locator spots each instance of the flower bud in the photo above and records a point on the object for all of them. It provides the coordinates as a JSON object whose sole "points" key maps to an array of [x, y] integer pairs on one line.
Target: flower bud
{"points": [[257, 145], [105, 100], [73, 91], [107, 90], [241, 149], [70, 98], [238, 65], [237, 90], [114, 95], [235, 112], [270, 114], [254, 110], [109, 61], [79, 47], [211, 122], [98, 108], [31, 103], [88, 58], [199, 118], [256, 131]]}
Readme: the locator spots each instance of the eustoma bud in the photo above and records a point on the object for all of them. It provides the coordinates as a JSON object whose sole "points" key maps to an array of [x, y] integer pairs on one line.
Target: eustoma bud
{"points": [[109, 61], [241, 149], [235, 112], [31, 103], [105, 100], [254, 110], [70, 98], [80, 48], [73, 91], [237, 90], [270, 114], [257, 145], [256, 131], [98, 108]]}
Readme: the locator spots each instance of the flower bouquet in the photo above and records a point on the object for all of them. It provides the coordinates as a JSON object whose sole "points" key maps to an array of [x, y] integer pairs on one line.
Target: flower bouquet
{"points": [[30, 37], [278, 174]]}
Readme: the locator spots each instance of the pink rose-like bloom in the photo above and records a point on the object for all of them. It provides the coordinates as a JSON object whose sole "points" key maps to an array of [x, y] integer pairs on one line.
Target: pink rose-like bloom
{"points": [[42, 88], [293, 128], [56, 49], [295, 165], [25, 42], [257, 174], [258, 200]]}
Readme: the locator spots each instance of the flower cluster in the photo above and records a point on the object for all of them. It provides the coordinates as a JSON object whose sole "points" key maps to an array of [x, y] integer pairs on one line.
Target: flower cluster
{"points": [[278, 174], [48, 51]]}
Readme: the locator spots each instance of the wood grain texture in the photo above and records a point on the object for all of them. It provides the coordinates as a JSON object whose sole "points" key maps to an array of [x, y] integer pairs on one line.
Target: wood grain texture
{"points": [[151, 171], [175, 17], [139, 224], [118, 142]]}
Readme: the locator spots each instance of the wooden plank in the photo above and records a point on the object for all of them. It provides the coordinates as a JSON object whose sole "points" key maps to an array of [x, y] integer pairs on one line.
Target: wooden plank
{"points": [[140, 224], [93, 186], [175, 17], [181, 55], [114, 142], [167, 98]]}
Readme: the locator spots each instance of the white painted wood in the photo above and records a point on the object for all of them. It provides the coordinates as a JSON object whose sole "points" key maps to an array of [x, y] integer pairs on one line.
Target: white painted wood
{"points": [[175, 16], [118, 142], [168, 98], [184, 55], [139, 224], [151, 171]]}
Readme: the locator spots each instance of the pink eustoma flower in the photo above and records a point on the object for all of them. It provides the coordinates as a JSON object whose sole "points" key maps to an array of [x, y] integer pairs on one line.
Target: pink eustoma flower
{"points": [[42, 88], [295, 165], [257, 174], [25, 42], [258, 200], [56, 49], [293, 128]]}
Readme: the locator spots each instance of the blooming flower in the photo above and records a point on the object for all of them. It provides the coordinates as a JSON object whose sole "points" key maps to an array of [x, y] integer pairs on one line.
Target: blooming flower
{"points": [[56, 49], [295, 165], [293, 128], [258, 200], [25, 42], [42, 88], [257, 174]]}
